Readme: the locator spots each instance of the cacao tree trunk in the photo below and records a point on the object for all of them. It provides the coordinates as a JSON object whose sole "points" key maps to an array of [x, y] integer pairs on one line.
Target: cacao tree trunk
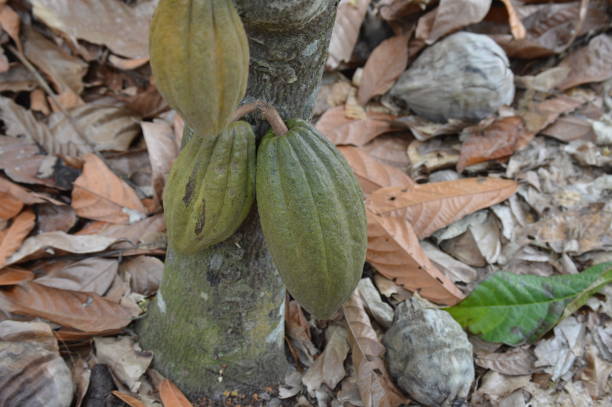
{"points": [[217, 323]]}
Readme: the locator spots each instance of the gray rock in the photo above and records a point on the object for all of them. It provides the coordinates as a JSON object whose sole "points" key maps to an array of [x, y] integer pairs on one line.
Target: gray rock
{"points": [[465, 76], [429, 355]]}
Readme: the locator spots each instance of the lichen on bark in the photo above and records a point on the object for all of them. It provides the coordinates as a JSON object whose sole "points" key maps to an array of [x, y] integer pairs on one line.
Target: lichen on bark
{"points": [[217, 323]]}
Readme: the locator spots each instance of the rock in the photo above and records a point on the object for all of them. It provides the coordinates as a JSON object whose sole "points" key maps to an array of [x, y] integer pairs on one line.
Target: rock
{"points": [[429, 355], [465, 76]]}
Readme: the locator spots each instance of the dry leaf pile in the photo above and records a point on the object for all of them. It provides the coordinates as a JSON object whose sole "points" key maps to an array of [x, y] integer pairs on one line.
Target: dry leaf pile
{"points": [[86, 143]]}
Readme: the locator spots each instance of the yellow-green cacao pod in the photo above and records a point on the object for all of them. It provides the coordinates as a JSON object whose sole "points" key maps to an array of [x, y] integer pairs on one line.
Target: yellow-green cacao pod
{"points": [[210, 189], [312, 216], [200, 60]]}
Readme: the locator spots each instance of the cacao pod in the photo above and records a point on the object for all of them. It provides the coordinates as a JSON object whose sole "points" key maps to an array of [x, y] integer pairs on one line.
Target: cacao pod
{"points": [[210, 189], [200, 60], [312, 216]]}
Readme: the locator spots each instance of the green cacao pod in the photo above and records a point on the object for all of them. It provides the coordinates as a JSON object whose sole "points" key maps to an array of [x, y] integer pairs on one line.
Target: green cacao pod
{"points": [[200, 60], [210, 189], [312, 216]]}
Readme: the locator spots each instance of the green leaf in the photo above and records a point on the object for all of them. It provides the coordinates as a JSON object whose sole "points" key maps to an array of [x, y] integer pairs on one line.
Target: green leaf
{"points": [[514, 309]]}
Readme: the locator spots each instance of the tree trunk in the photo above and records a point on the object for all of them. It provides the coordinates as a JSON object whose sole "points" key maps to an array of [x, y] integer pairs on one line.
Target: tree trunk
{"points": [[217, 323]]}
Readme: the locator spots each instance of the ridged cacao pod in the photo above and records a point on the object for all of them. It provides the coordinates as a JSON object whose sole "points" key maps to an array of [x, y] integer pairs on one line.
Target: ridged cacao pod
{"points": [[200, 60], [312, 216], [210, 189]]}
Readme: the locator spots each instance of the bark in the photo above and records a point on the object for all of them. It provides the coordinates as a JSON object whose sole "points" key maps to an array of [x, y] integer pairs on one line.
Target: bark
{"points": [[217, 323]]}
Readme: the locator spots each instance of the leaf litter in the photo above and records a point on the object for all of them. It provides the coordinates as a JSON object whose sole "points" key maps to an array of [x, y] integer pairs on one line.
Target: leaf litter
{"points": [[526, 191]]}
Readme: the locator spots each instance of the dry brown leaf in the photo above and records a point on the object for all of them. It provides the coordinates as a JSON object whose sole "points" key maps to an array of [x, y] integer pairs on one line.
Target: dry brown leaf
{"points": [[390, 149], [146, 231], [53, 218], [450, 16], [329, 366], [429, 207], [349, 16], [373, 174], [163, 150], [172, 396], [11, 23], [146, 273], [21, 122], [33, 375], [129, 400], [13, 196], [498, 140], [43, 245], [297, 330], [551, 28], [538, 117], [516, 26], [592, 63], [121, 27], [423, 129], [395, 9], [105, 124], [375, 385], [93, 274], [12, 276], [337, 127], [12, 237], [385, 64], [101, 195], [82, 311], [65, 71], [395, 252], [21, 160]]}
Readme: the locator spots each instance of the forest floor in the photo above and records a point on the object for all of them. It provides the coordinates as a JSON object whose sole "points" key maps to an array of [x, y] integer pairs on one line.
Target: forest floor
{"points": [[86, 144]]}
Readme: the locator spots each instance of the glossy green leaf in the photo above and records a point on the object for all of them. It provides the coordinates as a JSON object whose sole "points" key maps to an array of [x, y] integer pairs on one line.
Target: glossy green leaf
{"points": [[514, 309]]}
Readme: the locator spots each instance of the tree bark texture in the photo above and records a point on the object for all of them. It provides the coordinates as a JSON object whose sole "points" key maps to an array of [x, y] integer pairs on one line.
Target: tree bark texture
{"points": [[217, 323]]}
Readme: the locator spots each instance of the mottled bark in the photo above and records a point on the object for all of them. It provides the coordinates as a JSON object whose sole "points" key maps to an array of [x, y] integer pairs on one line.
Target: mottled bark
{"points": [[217, 322]]}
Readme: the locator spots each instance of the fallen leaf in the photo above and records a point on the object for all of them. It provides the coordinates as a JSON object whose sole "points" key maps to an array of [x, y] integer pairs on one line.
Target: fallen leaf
{"points": [[390, 149], [163, 150], [146, 274], [21, 159], [498, 140], [93, 274], [340, 129], [121, 27], [86, 312], [65, 71], [394, 251], [13, 276], [297, 330], [516, 26], [375, 385], [125, 359], [515, 309], [328, 368], [99, 194], [552, 28], [450, 16], [149, 231], [514, 362], [557, 355], [429, 207], [539, 116], [385, 64], [592, 63], [12, 237], [129, 400], [373, 174], [172, 396], [53, 218], [39, 245], [373, 303], [395, 9], [423, 129], [100, 126], [11, 23], [349, 16], [33, 375]]}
